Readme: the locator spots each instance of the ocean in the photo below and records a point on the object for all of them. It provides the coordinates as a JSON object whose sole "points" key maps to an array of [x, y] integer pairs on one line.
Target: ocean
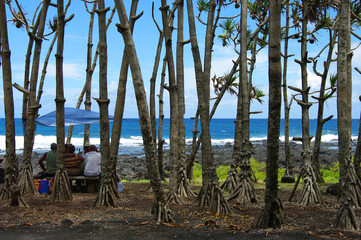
{"points": [[222, 132]]}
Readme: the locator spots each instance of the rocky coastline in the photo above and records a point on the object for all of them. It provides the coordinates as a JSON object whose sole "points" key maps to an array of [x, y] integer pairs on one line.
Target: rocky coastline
{"points": [[132, 167]]}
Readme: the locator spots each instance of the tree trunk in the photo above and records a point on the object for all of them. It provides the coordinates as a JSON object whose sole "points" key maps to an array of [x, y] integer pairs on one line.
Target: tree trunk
{"points": [[271, 216], [242, 146], [10, 190], [210, 195], [153, 83], [106, 196], [87, 87], [160, 209], [321, 102], [62, 190], [183, 188], [173, 136], [120, 102], [289, 166], [346, 218], [161, 120], [310, 193], [26, 172]]}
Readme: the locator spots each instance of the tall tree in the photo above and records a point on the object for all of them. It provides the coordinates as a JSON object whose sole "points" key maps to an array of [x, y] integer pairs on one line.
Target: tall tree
{"points": [[271, 216], [210, 194], [11, 190], [160, 209], [244, 191], [33, 107], [286, 104], [62, 190], [120, 102], [310, 192], [182, 181], [346, 218], [106, 195], [173, 135]]}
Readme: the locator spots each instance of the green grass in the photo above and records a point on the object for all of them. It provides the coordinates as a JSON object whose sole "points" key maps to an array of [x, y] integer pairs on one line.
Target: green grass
{"points": [[259, 168]]}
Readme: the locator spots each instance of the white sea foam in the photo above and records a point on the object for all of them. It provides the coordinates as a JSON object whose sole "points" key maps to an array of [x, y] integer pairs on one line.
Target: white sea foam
{"points": [[132, 145]]}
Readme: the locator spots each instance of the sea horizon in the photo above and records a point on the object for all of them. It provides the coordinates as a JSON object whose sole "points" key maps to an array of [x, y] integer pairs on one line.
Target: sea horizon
{"points": [[222, 132]]}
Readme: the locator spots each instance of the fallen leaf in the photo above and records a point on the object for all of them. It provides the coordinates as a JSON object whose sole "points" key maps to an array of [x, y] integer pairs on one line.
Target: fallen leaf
{"points": [[126, 221], [28, 224], [200, 225], [142, 223], [138, 233], [173, 225]]}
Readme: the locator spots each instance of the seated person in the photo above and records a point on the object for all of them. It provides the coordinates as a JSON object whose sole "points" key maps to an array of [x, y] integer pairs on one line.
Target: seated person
{"points": [[85, 149], [92, 162], [50, 160], [73, 162]]}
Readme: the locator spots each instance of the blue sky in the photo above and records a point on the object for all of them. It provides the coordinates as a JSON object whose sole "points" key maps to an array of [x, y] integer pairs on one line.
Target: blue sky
{"points": [[146, 39]]}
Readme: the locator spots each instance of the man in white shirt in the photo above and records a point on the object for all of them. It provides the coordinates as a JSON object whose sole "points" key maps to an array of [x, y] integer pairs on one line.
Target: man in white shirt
{"points": [[92, 162]]}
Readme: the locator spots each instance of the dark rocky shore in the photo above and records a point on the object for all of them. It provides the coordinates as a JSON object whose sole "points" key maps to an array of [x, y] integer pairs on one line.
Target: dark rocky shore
{"points": [[133, 167]]}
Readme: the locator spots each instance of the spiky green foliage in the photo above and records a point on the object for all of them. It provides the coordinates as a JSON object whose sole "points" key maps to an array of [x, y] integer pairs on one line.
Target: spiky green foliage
{"points": [[203, 5]]}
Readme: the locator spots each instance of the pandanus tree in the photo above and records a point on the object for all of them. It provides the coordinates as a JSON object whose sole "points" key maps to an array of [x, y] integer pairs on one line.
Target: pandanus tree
{"points": [[120, 102], [10, 190], [172, 89], [271, 216], [349, 189], [31, 111], [210, 194], [160, 209], [106, 196], [62, 190], [324, 94], [244, 191], [310, 193]]}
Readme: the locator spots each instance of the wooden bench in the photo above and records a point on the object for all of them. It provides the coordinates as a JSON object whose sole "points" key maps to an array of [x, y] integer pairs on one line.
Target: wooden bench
{"points": [[91, 183]]}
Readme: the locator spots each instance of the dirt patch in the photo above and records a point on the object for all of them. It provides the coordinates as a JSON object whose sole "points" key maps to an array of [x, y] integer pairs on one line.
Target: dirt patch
{"points": [[77, 219]]}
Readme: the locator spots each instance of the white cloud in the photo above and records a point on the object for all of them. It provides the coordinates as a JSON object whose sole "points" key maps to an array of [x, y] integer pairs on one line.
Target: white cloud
{"points": [[72, 71]]}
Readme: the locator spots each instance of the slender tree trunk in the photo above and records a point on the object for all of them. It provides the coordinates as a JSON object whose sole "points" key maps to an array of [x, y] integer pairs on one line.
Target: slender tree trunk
{"points": [[346, 218], [10, 190], [87, 87], [271, 216], [152, 109], [173, 136], [27, 71], [161, 120], [289, 166], [321, 102], [244, 191], [62, 190], [182, 181], [310, 193], [210, 194], [26, 172], [106, 195], [120, 102], [160, 209]]}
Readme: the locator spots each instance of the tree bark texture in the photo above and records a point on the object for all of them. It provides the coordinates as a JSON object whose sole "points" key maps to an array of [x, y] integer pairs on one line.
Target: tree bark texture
{"points": [[106, 196], [346, 216], [160, 210], [173, 135], [271, 216], [26, 169], [62, 190], [11, 190]]}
